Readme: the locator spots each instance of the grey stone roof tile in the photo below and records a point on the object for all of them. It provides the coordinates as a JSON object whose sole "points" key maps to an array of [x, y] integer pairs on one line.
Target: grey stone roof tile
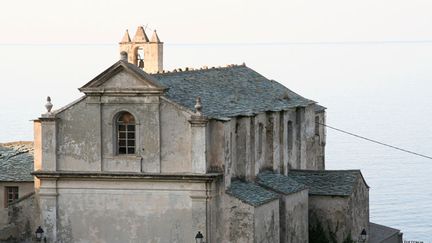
{"points": [[319, 108], [380, 233], [279, 183], [327, 182], [250, 193], [228, 92], [16, 161]]}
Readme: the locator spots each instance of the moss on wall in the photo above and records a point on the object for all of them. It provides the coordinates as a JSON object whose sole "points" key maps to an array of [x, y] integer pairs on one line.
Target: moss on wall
{"points": [[317, 234]]}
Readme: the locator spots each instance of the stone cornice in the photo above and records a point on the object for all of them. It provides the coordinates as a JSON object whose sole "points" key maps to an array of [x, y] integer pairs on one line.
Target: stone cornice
{"points": [[126, 176], [51, 118], [198, 121], [123, 92]]}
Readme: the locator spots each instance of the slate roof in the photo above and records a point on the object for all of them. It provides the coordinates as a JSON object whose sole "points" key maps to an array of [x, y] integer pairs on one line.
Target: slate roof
{"points": [[250, 193], [319, 108], [16, 161], [228, 92], [379, 233], [327, 182], [280, 183]]}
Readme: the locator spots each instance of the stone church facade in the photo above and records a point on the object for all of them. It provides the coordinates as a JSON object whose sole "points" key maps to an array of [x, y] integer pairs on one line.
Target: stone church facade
{"points": [[147, 155]]}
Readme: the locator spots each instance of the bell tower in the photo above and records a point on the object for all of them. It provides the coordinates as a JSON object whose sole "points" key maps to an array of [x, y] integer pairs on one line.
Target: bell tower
{"points": [[146, 54]]}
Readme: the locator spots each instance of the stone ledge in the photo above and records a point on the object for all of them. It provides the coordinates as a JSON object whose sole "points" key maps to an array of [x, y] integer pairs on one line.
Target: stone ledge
{"points": [[126, 175]]}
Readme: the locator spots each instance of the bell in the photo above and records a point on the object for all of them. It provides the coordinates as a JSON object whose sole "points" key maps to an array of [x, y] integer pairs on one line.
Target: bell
{"points": [[141, 63]]}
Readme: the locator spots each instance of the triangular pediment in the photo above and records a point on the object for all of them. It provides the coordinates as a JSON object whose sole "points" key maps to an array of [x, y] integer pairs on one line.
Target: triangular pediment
{"points": [[123, 78]]}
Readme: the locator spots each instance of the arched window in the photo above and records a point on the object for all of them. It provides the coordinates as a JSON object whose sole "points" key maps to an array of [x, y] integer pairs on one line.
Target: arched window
{"points": [[125, 126], [139, 57]]}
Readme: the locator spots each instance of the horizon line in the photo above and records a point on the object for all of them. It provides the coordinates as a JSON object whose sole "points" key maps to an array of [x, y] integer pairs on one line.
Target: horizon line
{"points": [[284, 43]]}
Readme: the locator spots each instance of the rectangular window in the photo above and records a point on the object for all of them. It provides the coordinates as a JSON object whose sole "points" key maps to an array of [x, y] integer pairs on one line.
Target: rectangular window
{"points": [[126, 139], [317, 125], [11, 194]]}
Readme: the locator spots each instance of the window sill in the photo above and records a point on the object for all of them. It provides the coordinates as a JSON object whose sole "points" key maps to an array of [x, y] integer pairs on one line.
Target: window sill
{"points": [[124, 156]]}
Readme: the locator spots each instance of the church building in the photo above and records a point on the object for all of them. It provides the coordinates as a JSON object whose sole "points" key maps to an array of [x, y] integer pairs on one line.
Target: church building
{"points": [[226, 154]]}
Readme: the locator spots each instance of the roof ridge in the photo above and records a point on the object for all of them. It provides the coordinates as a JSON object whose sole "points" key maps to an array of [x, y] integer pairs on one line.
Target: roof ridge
{"points": [[203, 68]]}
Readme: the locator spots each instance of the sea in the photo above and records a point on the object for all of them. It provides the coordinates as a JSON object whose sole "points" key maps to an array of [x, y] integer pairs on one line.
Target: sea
{"points": [[377, 90]]}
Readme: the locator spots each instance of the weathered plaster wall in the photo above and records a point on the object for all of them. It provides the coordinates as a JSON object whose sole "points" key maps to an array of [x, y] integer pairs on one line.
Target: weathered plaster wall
{"points": [[216, 148], [124, 80], [86, 125], [175, 139], [37, 154], [241, 222], [359, 208], [85, 207], [331, 212], [199, 146], [217, 213], [78, 138], [278, 141], [320, 139], [266, 223], [261, 149], [22, 220], [24, 188], [48, 134], [147, 152], [310, 146], [300, 143], [344, 216], [242, 134], [229, 151], [238, 223], [290, 148], [294, 218]]}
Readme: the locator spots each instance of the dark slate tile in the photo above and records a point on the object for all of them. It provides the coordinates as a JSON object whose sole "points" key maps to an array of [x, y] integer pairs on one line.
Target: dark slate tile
{"points": [[16, 162], [327, 182], [279, 183], [250, 193], [229, 92]]}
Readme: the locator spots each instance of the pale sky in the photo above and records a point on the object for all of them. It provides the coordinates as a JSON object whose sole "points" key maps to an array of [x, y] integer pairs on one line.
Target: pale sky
{"points": [[221, 21]]}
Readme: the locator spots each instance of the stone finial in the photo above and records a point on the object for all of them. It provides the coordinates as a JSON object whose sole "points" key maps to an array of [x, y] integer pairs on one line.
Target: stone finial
{"points": [[198, 106], [155, 37], [140, 35], [124, 56], [48, 105], [126, 37]]}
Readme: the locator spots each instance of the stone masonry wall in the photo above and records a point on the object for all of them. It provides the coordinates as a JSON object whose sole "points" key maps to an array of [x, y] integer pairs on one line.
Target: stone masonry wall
{"points": [[278, 141], [23, 220]]}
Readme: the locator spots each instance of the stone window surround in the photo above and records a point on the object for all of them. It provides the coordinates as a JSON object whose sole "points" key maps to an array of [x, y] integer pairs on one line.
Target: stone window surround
{"points": [[114, 124]]}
